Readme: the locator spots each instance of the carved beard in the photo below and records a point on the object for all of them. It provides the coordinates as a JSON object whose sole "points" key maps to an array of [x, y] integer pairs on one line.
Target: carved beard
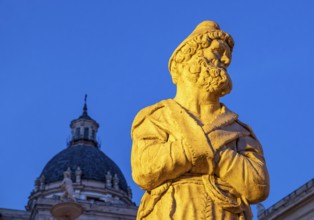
{"points": [[213, 79]]}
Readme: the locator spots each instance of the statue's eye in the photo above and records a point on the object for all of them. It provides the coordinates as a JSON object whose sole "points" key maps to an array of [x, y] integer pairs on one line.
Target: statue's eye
{"points": [[217, 51]]}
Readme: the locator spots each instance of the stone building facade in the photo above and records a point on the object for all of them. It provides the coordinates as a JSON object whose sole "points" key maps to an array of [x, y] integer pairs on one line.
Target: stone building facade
{"points": [[298, 205], [99, 186]]}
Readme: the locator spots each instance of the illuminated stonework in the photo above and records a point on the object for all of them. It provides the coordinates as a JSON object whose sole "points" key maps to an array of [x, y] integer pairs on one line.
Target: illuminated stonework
{"points": [[191, 154]]}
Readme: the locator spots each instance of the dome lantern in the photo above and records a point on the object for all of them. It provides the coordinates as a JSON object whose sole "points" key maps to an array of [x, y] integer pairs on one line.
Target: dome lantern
{"points": [[84, 129]]}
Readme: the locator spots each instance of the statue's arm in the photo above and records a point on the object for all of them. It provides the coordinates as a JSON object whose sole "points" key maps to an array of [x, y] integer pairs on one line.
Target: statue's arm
{"points": [[63, 185], [156, 156], [245, 169]]}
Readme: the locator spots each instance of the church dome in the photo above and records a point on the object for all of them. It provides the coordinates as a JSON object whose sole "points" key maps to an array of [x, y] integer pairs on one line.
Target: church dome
{"points": [[94, 176], [93, 163], [84, 176]]}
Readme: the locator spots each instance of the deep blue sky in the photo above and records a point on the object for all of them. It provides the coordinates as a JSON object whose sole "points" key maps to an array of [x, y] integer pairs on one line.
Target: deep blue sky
{"points": [[53, 52]]}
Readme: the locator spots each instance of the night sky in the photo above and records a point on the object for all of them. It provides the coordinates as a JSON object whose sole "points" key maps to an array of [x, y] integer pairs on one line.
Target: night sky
{"points": [[52, 53]]}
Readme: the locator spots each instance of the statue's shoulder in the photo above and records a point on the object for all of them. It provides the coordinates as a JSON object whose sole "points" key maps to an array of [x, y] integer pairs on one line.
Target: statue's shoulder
{"points": [[247, 127], [149, 111], [236, 123]]}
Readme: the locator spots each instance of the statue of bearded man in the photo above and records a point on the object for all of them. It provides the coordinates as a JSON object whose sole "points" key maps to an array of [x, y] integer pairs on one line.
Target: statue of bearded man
{"points": [[191, 154]]}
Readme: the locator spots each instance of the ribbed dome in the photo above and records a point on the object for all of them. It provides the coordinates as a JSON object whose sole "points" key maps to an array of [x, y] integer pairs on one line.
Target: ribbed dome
{"points": [[92, 161]]}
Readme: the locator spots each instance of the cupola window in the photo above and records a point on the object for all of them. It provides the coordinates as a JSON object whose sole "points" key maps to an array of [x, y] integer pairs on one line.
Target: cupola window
{"points": [[86, 133], [77, 133], [93, 134]]}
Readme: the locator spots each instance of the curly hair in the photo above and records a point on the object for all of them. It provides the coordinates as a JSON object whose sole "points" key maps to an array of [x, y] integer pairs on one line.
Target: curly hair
{"points": [[196, 46]]}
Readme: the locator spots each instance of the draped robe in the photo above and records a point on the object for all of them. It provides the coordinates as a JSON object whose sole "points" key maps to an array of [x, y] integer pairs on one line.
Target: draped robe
{"points": [[192, 170]]}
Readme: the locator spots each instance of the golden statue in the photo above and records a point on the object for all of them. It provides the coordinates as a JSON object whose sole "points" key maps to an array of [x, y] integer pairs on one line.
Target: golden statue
{"points": [[191, 154]]}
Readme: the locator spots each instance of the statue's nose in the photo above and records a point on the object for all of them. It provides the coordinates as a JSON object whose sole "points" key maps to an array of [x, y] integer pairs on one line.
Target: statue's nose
{"points": [[225, 60]]}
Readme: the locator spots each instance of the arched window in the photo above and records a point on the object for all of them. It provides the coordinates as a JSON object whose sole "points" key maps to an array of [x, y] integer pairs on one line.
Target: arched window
{"points": [[77, 133], [86, 133], [93, 134]]}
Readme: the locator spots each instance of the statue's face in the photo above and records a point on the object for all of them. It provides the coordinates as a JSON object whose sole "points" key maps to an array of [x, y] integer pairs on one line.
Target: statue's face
{"points": [[208, 70], [218, 54]]}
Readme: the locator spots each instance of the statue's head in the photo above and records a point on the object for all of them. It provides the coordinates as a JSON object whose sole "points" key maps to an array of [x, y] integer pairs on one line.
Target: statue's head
{"points": [[66, 174], [203, 58]]}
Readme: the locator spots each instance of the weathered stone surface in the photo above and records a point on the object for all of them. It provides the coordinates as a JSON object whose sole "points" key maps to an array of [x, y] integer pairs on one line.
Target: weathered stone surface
{"points": [[297, 205], [66, 211]]}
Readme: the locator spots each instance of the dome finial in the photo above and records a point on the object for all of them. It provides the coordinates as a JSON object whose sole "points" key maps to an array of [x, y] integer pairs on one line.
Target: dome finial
{"points": [[85, 106]]}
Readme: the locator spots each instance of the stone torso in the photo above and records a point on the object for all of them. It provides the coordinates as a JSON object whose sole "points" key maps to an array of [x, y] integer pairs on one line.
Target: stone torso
{"points": [[192, 171]]}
